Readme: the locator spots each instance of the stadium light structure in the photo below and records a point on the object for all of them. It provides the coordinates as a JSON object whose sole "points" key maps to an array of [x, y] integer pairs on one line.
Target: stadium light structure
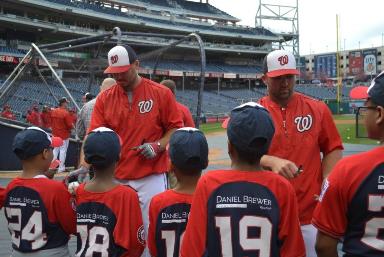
{"points": [[281, 14], [116, 36]]}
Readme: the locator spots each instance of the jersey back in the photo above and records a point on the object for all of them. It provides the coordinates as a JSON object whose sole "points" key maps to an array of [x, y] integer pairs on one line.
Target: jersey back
{"points": [[243, 218], [28, 222], [95, 226], [109, 223], [364, 235], [170, 227]]}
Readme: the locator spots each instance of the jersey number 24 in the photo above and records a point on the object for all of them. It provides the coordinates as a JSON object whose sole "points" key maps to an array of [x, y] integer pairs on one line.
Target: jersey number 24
{"points": [[31, 232]]}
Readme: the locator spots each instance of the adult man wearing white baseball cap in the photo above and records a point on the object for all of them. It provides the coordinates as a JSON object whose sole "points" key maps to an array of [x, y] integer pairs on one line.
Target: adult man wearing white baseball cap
{"points": [[144, 114], [304, 129]]}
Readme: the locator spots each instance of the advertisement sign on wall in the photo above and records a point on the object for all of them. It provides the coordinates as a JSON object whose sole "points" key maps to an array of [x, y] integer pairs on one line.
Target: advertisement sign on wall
{"points": [[325, 66], [370, 61], [355, 62]]}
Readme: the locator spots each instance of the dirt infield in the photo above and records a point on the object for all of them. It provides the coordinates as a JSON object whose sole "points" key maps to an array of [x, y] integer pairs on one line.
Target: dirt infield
{"points": [[347, 122]]}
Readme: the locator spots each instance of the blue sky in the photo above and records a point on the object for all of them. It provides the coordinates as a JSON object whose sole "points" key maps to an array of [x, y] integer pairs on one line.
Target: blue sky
{"points": [[360, 21]]}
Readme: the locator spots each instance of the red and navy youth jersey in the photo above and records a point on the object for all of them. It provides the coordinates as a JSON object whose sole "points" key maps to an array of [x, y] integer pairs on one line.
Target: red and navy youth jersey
{"points": [[238, 213], [109, 223], [40, 214], [168, 217], [352, 204]]}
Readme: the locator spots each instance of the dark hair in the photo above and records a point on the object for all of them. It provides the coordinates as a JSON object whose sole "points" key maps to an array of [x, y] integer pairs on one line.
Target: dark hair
{"points": [[254, 156], [100, 168], [189, 171]]}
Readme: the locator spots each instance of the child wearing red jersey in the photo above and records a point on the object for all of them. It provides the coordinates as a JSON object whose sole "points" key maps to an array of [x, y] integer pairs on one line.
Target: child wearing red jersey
{"points": [[351, 205], [244, 211], [168, 211], [109, 221], [38, 210]]}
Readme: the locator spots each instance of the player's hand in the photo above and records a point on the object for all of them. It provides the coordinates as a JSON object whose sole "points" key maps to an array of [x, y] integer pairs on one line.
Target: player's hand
{"points": [[72, 187], [283, 167], [150, 150], [84, 164]]}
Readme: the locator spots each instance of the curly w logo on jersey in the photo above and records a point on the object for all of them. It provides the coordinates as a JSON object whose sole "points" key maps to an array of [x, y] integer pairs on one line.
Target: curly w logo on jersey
{"points": [[303, 123], [145, 106]]}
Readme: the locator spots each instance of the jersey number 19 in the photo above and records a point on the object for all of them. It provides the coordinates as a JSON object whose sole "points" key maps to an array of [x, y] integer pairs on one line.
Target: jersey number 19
{"points": [[262, 244]]}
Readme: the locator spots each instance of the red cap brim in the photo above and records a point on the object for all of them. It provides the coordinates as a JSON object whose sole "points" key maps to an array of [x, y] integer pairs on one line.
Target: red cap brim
{"points": [[117, 69], [277, 73], [56, 141], [359, 92], [225, 123]]}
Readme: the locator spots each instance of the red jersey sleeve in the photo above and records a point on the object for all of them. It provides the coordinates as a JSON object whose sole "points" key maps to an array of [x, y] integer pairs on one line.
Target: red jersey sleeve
{"points": [[97, 117], [330, 213], [129, 229], [170, 116], [63, 209], [329, 137], [194, 240], [68, 121], [151, 242], [289, 228], [188, 120]]}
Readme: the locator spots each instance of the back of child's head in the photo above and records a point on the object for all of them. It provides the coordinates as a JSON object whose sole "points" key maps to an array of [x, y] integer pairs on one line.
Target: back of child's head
{"points": [[250, 131], [374, 96], [169, 84], [32, 141], [188, 151], [102, 148]]}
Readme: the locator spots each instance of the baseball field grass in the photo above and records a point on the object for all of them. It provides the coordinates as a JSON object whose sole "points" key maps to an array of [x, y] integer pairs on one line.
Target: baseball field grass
{"points": [[344, 123], [208, 128]]}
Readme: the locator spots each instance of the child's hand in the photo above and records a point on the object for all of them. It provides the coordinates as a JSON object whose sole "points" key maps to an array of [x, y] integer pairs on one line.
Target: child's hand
{"points": [[50, 173]]}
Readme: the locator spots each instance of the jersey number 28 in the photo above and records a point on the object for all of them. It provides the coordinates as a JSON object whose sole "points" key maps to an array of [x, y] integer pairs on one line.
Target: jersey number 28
{"points": [[91, 235]]}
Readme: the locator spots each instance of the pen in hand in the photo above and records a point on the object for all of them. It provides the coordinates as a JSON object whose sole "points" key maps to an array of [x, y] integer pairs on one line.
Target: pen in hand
{"points": [[299, 170]]}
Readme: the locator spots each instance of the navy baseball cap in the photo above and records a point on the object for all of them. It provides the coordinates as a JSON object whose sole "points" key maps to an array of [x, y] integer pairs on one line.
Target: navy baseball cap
{"points": [[188, 149], [102, 147], [32, 141], [249, 124], [374, 92]]}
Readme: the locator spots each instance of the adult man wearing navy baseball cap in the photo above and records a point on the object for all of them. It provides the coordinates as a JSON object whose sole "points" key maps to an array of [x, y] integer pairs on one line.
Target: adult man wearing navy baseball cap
{"points": [[245, 209], [351, 204], [144, 114], [305, 131]]}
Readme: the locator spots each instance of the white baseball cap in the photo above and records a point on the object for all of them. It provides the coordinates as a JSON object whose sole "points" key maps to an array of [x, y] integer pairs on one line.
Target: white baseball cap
{"points": [[278, 63], [120, 59]]}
